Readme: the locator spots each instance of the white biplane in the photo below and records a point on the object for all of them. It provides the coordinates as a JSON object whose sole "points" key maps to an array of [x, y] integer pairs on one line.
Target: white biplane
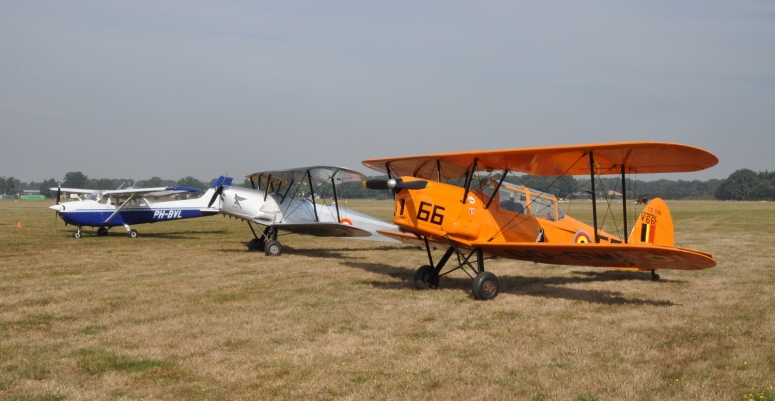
{"points": [[294, 201]]}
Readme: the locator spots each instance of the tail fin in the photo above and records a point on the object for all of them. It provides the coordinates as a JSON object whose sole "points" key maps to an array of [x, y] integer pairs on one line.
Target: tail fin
{"points": [[205, 198], [654, 225]]}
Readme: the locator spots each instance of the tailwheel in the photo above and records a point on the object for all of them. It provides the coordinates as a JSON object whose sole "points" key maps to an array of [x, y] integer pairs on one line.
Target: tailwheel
{"points": [[485, 286], [425, 277], [77, 233], [102, 231], [256, 245], [273, 248], [654, 275], [132, 233]]}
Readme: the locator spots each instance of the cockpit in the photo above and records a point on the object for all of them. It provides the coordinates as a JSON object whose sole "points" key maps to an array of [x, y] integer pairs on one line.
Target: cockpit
{"points": [[518, 199]]}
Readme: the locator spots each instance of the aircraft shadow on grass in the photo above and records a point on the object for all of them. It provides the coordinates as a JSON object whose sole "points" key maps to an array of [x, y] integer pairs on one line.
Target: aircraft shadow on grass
{"points": [[188, 234], [545, 287]]}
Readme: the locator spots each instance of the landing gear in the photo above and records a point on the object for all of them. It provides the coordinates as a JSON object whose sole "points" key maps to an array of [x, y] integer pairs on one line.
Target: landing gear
{"points": [[266, 243], [654, 275], [77, 233], [485, 285], [102, 231], [425, 278], [132, 233], [256, 245], [273, 248]]}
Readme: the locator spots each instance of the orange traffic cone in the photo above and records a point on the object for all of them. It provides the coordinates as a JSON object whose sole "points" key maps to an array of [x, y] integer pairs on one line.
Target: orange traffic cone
{"points": [[19, 225]]}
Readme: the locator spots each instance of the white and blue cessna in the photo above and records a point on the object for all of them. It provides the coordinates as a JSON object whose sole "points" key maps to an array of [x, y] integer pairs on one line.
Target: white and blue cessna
{"points": [[122, 207], [294, 201]]}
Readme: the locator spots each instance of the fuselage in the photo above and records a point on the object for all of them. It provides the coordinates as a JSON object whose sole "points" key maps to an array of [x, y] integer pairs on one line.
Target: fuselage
{"points": [[96, 209], [515, 214], [274, 210]]}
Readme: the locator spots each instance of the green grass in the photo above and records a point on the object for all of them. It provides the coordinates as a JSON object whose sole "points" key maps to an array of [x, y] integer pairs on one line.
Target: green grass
{"points": [[185, 312]]}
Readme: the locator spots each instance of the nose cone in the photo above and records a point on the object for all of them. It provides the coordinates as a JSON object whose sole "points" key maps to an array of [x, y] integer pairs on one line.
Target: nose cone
{"points": [[58, 208]]}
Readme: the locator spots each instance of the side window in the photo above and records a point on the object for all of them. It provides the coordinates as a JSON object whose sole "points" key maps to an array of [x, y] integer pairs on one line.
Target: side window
{"points": [[513, 201], [542, 208]]}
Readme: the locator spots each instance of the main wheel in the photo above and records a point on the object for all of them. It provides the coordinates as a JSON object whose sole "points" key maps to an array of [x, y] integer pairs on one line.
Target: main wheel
{"points": [[77, 234], [132, 233], [273, 248], [654, 276], [424, 278], [102, 231], [485, 286], [256, 245]]}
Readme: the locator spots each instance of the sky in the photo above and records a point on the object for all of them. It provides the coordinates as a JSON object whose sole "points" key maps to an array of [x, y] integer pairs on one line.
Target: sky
{"points": [[199, 88]]}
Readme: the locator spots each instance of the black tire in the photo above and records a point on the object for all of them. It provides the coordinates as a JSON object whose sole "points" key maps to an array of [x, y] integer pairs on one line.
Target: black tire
{"points": [[273, 248], [256, 245], [77, 234], [102, 231], [425, 279], [485, 286], [654, 276], [132, 233]]}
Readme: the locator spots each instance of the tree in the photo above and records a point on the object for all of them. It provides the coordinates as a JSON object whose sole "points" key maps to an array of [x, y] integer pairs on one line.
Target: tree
{"points": [[191, 182], [154, 182], [44, 188], [75, 180], [737, 186], [10, 186], [102, 183], [764, 190]]}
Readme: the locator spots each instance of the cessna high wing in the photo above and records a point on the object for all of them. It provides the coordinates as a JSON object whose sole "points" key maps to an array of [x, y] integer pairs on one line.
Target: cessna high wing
{"points": [[459, 201], [294, 201], [122, 207]]}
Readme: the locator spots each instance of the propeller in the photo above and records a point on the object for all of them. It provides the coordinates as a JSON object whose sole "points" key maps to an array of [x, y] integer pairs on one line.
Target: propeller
{"points": [[218, 191], [59, 197], [396, 184]]}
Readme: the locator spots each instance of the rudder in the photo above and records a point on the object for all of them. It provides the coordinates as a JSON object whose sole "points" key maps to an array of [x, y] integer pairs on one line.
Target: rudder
{"points": [[654, 225]]}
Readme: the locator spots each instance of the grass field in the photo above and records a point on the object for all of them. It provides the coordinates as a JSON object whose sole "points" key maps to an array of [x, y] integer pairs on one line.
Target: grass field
{"points": [[185, 312]]}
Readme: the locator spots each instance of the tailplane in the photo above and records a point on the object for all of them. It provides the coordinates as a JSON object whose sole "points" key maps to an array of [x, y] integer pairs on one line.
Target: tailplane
{"points": [[654, 225]]}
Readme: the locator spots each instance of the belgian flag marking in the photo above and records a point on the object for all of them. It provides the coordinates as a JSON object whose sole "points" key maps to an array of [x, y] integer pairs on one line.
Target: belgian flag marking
{"points": [[647, 232]]}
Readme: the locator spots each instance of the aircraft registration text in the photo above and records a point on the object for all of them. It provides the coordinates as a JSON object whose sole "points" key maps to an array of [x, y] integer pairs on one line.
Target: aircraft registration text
{"points": [[166, 214]]}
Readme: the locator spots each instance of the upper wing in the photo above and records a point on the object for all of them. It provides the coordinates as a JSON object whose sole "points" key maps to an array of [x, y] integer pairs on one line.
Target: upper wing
{"points": [[319, 175], [323, 229], [73, 190], [638, 157], [602, 255], [158, 191]]}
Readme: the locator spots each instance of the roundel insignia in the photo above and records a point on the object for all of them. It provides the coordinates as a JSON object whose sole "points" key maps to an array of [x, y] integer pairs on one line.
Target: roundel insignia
{"points": [[581, 237], [346, 221], [471, 200], [659, 258]]}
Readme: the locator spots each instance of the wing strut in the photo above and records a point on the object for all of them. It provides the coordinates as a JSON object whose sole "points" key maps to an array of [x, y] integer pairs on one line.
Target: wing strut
{"points": [[497, 187], [336, 201], [594, 194], [312, 195], [624, 203], [266, 187], [126, 202], [469, 179]]}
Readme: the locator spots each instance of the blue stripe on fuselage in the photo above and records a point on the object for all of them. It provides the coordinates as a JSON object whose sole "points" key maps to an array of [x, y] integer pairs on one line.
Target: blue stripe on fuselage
{"points": [[127, 216]]}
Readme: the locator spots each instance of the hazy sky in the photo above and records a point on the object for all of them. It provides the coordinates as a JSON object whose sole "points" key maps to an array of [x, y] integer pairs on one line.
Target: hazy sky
{"points": [[171, 89]]}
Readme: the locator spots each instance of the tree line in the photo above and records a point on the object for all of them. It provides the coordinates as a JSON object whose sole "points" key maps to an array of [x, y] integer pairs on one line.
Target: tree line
{"points": [[743, 184]]}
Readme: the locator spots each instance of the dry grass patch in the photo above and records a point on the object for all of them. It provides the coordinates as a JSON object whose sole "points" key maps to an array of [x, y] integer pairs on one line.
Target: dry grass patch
{"points": [[185, 312]]}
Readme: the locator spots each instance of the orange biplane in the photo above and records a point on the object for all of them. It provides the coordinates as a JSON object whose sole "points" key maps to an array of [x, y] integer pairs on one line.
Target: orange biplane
{"points": [[483, 216]]}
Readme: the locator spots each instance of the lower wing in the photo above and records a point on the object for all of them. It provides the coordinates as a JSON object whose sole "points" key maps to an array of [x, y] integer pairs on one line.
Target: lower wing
{"points": [[323, 229], [633, 256]]}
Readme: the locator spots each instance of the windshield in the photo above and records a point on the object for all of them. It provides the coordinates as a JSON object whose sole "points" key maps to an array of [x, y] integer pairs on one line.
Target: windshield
{"points": [[94, 195]]}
